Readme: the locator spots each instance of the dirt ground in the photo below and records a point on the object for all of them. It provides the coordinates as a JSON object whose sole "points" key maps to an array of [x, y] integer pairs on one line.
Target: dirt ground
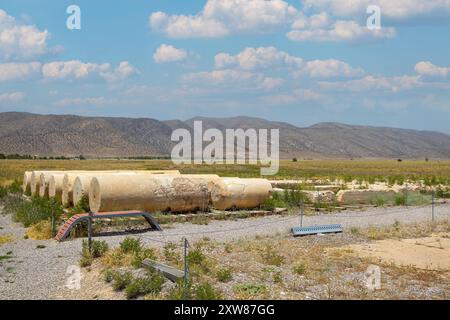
{"points": [[430, 253]]}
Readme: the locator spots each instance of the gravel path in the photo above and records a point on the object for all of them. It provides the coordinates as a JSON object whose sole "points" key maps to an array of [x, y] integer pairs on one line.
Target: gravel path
{"points": [[31, 272]]}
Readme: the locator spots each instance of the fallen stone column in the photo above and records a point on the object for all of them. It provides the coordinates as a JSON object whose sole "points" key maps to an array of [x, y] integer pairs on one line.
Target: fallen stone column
{"points": [[55, 184], [69, 180], [236, 193], [150, 193]]}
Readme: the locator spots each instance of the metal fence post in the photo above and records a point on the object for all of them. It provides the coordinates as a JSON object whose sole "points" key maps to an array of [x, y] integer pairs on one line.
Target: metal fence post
{"points": [[432, 205], [301, 213], [185, 268], [90, 232]]}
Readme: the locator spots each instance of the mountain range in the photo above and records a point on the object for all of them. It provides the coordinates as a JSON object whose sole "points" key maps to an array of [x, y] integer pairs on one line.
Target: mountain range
{"points": [[71, 135]]}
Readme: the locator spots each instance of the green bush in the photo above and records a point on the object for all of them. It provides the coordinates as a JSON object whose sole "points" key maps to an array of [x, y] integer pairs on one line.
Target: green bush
{"points": [[140, 256], [38, 209], [131, 245], [82, 206], [170, 253], [98, 248], [141, 286], [224, 274], [250, 289], [121, 280], [206, 291], [195, 256], [271, 257], [177, 292], [400, 200], [108, 275], [300, 269]]}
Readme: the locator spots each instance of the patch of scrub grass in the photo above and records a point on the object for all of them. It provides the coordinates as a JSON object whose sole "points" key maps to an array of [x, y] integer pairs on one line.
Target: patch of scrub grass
{"points": [[224, 274], [6, 239], [81, 207], [205, 291], [120, 280], [270, 256], [7, 256], [150, 284], [399, 231], [40, 231], [130, 252], [37, 210], [200, 220], [140, 256], [98, 249], [200, 291], [400, 200], [249, 290], [131, 245], [170, 253], [300, 269]]}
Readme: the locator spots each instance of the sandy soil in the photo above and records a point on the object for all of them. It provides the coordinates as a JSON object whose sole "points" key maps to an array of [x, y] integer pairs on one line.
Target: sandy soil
{"points": [[431, 253]]}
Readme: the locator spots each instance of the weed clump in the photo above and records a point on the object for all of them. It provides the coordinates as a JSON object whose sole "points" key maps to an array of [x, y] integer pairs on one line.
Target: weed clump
{"points": [[224, 274]]}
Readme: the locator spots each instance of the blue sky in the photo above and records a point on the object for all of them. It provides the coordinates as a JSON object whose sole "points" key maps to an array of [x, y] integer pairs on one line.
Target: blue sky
{"points": [[297, 61]]}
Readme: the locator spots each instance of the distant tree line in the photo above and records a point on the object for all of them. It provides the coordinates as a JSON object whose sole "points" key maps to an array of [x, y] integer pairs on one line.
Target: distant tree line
{"points": [[17, 156], [148, 158]]}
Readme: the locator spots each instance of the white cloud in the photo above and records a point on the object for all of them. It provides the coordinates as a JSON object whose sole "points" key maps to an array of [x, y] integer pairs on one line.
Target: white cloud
{"points": [[11, 97], [20, 41], [330, 69], [220, 18], [18, 71], [341, 30], [272, 59], [120, 73], [77, 70], [167, 53], [234, 78], [295, 96], [90, 101], [254, 58], [426, 68], [395, 10], [375, 83]]}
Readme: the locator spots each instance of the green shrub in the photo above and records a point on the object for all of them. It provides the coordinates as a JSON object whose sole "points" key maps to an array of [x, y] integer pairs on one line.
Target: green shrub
{"points": [[82, 206], [250, 289], [300, 269], [170, 253], [141, 286], [224, 274], [140, 256], [195, 256], [121, 280], [271, 257], [354, 230], [130, 245], [86, 260], [38, 209], [206, 291], [400, 200], [108, 275], [378, 201], [98, 248], [177, 292]]}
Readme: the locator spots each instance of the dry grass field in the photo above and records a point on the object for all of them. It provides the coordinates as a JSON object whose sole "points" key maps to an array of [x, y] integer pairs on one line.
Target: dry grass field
{"points": [[434, 171]]}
